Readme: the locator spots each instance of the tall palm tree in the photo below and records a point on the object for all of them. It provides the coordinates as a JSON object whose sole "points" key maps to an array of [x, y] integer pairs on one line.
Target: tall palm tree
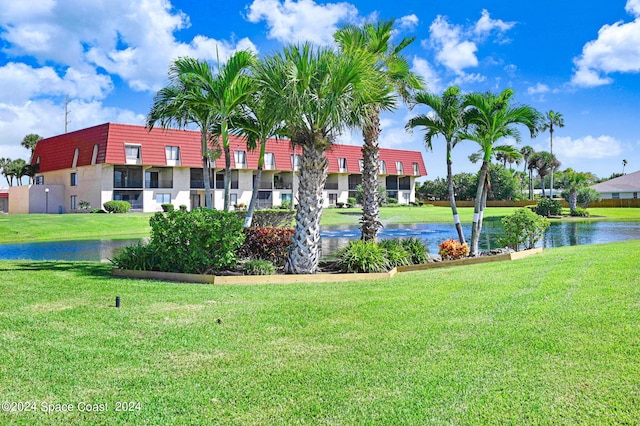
{"points": [[446, 119], [224, 94], [181, 104], [624, 164], [4, 167], [492, 118], [527, 151], [394, 70], [544, 162], [552, 120], [318, 93]]}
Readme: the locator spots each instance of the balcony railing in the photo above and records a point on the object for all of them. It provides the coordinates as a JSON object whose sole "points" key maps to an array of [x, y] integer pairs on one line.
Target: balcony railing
{"points": [[283, 185], [220, 184], [265, 185], [198, 184], [167, 183], [129, 183], [404, 187], [331, 185]]}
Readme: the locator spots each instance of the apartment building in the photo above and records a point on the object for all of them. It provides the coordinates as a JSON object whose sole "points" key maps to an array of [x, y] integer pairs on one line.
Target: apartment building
{"points": [[150, 168]]}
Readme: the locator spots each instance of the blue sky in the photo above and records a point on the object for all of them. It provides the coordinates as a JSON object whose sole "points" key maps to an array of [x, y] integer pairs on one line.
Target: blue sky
{"points": [[579, 58]]}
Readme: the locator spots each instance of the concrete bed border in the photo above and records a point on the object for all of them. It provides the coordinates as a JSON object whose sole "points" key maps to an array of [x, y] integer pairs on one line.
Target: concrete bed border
{"points": [[311, 278]]}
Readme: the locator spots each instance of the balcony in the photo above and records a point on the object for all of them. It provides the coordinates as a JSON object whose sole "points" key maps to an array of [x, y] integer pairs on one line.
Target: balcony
{"points": [[331, 185], [283, 185], [128, 183], [159, 183], [265, 185]]}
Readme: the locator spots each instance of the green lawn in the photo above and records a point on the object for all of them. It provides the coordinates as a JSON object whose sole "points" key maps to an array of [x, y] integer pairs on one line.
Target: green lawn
{"points": [[550, 339], [39, 227]]}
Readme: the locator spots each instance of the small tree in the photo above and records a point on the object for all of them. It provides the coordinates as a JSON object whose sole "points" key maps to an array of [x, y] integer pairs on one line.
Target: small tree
{"points": [[523, 228]]}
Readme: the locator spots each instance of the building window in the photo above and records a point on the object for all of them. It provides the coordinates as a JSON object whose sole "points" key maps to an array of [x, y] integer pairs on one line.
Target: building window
{"points": [[269, 161], [285, 197], [241, 159], [635, 195], [399, 168], [74, 179], [333, 199], [76, 152], [39, 180], [73, 204], [133, 154], [295, 161], [361, 164], [615, 195], [162, 198], [94, 155], [342, 165], [416, 170], [382, 167], [172, 154]]}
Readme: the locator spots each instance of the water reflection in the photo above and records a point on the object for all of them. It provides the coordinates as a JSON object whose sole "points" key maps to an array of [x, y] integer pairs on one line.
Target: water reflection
{"points": [[559, 234]]}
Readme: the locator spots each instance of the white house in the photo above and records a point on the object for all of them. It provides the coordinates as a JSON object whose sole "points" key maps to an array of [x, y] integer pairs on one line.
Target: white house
{"points": [[623, 187]]}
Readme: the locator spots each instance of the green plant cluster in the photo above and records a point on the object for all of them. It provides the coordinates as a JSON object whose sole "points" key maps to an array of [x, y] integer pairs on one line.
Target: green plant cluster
{"points": [[549, 207], [117, 206], [270, 244], [275, 218], [452, 249], [258, 267], [167, 207], [370, 256], [523, 228], [579, 212], [200, 241]]}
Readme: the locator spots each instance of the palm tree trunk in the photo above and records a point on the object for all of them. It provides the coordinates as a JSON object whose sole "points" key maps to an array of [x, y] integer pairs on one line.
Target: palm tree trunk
{"points": [[530, 184], [227, 177], [370, 221], [305, 252], [542, 184], [476, 227], [573, 199], [206, 172], [256, 186], [452, 197]]}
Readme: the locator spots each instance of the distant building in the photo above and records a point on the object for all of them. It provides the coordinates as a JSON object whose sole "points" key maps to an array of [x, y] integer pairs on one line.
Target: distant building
{"points": [[150, 168], [623, 187]]}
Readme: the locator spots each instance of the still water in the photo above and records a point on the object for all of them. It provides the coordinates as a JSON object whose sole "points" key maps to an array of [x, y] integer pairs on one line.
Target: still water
{"points": [[559, 234]]}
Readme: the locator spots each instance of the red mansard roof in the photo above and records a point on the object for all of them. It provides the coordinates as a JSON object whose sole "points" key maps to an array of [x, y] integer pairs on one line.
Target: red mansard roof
{"points": [[57, 152]]}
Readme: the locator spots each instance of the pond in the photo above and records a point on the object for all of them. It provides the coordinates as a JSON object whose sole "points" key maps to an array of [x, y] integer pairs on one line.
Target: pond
{"points": [[559, 234]]}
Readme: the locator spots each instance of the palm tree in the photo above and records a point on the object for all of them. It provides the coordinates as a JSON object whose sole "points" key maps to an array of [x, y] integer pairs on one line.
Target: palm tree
{"points": [[4, 166], [624, 164], [572, 181], [317, 92], [394, 70], [552, 119], [544, 162], [30, 141], [492, 118], [257, 125], [181, 104], [224, 95], [527, 152], [447, 119]]}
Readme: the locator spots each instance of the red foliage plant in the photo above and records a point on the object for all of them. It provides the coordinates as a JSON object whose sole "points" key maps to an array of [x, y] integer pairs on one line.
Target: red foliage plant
{"points": [[270, 244], [452, 249]]}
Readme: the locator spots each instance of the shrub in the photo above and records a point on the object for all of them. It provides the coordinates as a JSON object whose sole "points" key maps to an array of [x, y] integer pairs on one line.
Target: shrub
{"points": [[84, 205], [117, 206], [416, 249], [258, 267], [183, 207], [452, 249], [579, 212], [351, 201], [199, 241], [285, 205], [339, 204], [275, 218], [397, 255], [167, 207], [362, 256], [98, 211], [140, 257], [271, 244], [523, 228], [548, 207], [391, 200]]}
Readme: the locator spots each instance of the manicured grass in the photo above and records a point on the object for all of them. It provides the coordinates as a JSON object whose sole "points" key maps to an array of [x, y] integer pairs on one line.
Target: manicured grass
{"points": [[550, 339], [65, 227]]}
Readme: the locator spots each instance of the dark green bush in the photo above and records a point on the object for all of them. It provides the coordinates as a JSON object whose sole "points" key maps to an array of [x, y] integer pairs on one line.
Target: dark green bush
{"points": [[548, 207], [340, 204], [523, 228], [362, 256], [397, 255], [183, 207], [580, 212], [98, 211], [258, 267], [199, 241], [117, 206], [351, 201], [416, 249], [167, 207]]}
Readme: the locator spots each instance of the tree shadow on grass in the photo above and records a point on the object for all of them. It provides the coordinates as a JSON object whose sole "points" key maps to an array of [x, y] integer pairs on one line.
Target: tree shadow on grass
{"points": [[92, 269]]}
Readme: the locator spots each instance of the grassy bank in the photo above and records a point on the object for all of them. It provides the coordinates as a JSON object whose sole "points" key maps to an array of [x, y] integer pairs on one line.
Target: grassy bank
{"points": [[38, 227], [551, 339]]}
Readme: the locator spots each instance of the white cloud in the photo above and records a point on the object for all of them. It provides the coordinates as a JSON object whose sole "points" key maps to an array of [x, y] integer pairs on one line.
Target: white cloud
{"points": [[423, 69], [617, 49], [486, 25], [587, 147], [539, 88], [453, 51], [295, 21], [408, 22]]}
